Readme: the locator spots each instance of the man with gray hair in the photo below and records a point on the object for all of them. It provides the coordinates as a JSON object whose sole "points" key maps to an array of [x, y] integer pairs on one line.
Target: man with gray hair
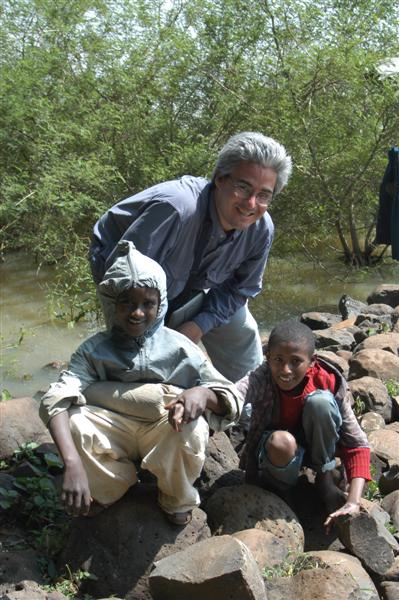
{"points": [[212, 238]]}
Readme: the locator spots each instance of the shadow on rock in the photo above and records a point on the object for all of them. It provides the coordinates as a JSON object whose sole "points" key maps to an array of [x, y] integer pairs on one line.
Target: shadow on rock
{"points": [[118, 546]]}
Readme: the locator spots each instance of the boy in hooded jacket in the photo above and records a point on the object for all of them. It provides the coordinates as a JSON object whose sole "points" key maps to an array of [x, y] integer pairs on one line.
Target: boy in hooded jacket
{"points": [[138, 391]]}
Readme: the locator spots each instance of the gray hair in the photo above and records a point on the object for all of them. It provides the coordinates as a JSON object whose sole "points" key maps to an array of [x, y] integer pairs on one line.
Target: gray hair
{"points": [[254, 147]]}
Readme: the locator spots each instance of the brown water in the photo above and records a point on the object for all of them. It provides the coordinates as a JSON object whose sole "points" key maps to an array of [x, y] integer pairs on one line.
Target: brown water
{"points": [[30, 338]]}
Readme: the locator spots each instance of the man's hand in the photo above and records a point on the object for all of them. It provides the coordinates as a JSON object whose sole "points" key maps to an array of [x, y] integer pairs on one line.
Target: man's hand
{"points": [[349, 508], [189, 405], [190, 330], [75, 494]]}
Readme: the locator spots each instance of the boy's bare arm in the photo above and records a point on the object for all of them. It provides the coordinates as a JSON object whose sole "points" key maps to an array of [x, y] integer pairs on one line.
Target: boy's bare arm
{"points": [[75, 493], [352, 504]]}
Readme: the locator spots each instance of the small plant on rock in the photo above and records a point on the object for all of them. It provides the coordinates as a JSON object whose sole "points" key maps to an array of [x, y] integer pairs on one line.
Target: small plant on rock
{"points": [[371, 490], [392, 387], [291, 566], [70, 583], [358, 406], [33, 503]]}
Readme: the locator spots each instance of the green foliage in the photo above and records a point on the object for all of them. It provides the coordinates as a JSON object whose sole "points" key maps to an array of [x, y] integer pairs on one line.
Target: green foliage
{"points": [[70, 583], [392, 387], [7, 498], [101, 99], [371, 490], [5, 395], [391, 528], [358, 406], [380, 328], [72, 295], [33, 502], [292, 565]]}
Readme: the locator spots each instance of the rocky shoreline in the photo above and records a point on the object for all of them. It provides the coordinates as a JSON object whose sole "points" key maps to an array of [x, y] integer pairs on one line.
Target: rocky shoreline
{"points": [[243, 542]]}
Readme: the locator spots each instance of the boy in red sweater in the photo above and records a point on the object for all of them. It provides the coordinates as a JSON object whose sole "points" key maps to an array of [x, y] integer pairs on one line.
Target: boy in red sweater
{"points": [[301, 415]]}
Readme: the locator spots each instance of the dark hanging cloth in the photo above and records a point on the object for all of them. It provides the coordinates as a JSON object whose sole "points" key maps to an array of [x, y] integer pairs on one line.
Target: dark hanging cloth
{"points": [[388, 212]]}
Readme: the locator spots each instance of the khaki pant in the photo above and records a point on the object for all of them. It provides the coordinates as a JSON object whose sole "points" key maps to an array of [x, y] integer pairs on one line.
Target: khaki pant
{"points": [[109, 442]]}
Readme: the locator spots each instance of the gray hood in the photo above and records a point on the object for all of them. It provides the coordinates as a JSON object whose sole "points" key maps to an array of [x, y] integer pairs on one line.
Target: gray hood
{"points": [[132, 269]]}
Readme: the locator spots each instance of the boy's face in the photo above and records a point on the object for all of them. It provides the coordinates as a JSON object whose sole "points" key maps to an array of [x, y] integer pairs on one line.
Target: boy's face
{"points": [[288, 364], [136, 310]]}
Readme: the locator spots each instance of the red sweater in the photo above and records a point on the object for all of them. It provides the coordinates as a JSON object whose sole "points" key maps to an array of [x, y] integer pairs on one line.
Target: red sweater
{"points": [[356, 460]]}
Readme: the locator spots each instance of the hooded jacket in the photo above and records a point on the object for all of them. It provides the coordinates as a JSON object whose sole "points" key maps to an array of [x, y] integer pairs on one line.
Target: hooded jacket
{"points": [[160, 355]]}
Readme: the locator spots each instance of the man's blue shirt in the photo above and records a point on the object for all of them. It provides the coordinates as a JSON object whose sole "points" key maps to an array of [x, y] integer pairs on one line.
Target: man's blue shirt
{"points": [[176, 224]]}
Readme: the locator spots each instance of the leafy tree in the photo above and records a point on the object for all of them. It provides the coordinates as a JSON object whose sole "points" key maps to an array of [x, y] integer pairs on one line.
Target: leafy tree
{"points": [[103, 98]]}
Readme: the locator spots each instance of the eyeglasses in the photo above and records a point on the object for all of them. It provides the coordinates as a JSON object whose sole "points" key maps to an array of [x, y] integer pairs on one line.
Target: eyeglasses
{"points": [[244, 191]]}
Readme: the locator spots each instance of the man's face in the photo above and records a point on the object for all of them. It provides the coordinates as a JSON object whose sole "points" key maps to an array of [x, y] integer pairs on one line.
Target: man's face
{"points": [[136, 310], [236, 195], [288, 364]]}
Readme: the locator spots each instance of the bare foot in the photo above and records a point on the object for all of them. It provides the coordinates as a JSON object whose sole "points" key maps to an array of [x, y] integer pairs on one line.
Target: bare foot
{"points": [[332, 496]]}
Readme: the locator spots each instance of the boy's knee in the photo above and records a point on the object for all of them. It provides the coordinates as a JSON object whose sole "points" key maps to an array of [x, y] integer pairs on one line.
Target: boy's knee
{"points": [[319, 403], [281, 448]]}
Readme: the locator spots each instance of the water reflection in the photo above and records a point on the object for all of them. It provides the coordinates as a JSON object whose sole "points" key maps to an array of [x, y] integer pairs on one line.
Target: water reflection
{"points": [[30, 338], [293, 286]]}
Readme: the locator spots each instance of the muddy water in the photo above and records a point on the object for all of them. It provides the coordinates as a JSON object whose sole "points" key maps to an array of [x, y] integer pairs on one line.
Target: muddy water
{"points": [[30, 338]]}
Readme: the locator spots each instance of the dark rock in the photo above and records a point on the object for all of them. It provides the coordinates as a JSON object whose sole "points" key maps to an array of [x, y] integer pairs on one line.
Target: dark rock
{"points": [[220, 567], [390, 590], [393, 426], [119, 545], [370, 421], [385, 443], [28, 590], [328, 339], [360, 535], [395, 408], [232, 509], [369, 321], [317, 320], [319, 583], [373, 393], [386, 293], [17, 565], [374, 363], [345, 354], [379, 309], [267, 549], [393, 573], [20, 423], [346, 563], [220, 467], [337, 361], [378, 464], [24, 469], [391, 505], [389, 480], [6, 482], [348, 306], [359, 334], [382, 341]]}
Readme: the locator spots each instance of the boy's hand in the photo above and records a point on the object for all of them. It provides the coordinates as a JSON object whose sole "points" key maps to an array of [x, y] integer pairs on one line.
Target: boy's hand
{"points": [[349, 508], [75, 494], [188, 406]]}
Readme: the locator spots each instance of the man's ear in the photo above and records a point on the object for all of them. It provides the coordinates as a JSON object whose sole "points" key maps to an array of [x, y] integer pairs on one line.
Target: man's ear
{"points": [[313, 360], [267, 355], [217, 180]]}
